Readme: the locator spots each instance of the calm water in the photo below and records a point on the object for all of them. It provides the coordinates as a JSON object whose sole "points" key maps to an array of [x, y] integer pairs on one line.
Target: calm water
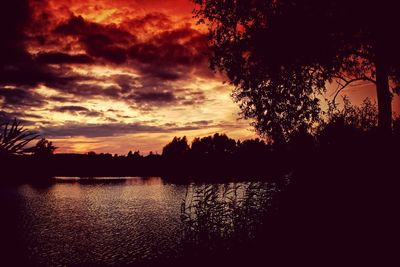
{"points": [[107, 223], [79, 222]]}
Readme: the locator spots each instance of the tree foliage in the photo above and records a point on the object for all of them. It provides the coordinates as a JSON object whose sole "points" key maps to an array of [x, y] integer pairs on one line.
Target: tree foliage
{"points": [[43, 148], [363, 117], [280, 55], [14, 140], [348, 125], [178, 147], [219, 144]]}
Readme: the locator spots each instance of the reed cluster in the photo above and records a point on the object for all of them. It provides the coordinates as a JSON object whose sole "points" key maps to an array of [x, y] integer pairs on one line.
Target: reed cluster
{"points": [[216, 216]]}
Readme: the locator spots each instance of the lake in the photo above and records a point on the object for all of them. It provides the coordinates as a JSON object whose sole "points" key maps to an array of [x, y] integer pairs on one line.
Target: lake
{"points": [[110, 222]]}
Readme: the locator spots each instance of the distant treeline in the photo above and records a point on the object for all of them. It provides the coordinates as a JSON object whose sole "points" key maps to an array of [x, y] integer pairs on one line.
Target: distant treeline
{"points": [[212, 156], [347, 139]]}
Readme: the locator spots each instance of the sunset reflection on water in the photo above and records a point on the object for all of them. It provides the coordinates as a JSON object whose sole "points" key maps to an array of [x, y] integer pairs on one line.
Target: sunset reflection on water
{"points": [[108, 223]]}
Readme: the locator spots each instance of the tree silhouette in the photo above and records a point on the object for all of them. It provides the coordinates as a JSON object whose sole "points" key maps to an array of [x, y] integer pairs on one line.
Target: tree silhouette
{"points": [[218, 144], [252, 147], [14, 139], [280, 55], [224, 145], [43, 148], [363, 117], [351, 127], [178, 147], [134, 155]]}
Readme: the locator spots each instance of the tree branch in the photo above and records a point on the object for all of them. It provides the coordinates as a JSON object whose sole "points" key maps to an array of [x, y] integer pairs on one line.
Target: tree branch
{"points": [[347, 82]]}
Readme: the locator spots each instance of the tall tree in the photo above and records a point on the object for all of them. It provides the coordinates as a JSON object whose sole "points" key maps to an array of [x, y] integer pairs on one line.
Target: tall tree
{"points": [[178, 147], [281, 54]]}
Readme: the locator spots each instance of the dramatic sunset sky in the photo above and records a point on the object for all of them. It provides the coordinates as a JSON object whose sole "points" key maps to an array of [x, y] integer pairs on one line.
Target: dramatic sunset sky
{"points": [[114, 75]]}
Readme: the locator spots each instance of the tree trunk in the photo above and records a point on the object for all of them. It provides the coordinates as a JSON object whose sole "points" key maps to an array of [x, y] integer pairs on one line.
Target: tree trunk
{"points": [[384, 99]]}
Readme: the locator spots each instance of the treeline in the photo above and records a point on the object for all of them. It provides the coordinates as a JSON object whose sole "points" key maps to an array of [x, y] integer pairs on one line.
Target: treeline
{"points": [[212, 157], [347, 139]]}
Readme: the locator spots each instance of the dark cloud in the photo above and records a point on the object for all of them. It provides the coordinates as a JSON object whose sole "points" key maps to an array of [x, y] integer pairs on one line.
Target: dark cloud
{"points": [[61, 58], [93, 113], [20, 98], [127, 83], [25, 119], [72, 109], [78, 26], [67, 81], [98, 130], [190, 126], [148, 91], [62, 99], [167, 55], [148, 22], [87, 90], [203, 122], [78, 110], [171, 54], [174, 97], [6, 117], [102, 46], [162, 73], [112, 91], [14, 16], [16, 65], [23, 73], [171, 47], [192, 97], [184, 46], [115, 129], [102, 41], [161, 58], [154, 97]]}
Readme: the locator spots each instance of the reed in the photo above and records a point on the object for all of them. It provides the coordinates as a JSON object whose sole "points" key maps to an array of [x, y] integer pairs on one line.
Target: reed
{"points": [[216, 216]]}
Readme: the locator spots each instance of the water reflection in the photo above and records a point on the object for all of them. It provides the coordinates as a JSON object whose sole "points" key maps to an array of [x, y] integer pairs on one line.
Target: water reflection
{"points": [[74, 223], [71, 223], [134, 180]]}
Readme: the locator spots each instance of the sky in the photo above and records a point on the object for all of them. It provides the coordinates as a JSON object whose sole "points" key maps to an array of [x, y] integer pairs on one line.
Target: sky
{"points": [[114, 75]]}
